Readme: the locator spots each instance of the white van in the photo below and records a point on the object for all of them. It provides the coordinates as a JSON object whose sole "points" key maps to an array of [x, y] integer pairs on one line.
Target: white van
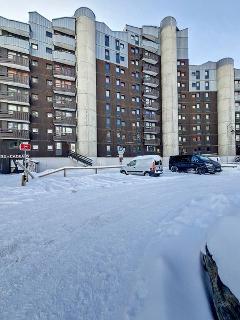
{"points": [[144, 165]]}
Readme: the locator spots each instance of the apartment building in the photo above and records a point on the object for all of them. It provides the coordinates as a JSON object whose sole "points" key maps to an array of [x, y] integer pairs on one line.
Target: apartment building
{"points": [[74, 84]]}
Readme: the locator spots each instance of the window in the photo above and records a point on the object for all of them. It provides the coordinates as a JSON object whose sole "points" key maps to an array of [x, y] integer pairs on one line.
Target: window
{"points": [[34, 96], [118, 95], [117, 44], [122, 84], [108, 122], [197, 74], [49, 66], [123, 123], [106, 41], [35, 114], [107, 93], [107, 54], [35, 146], [107, 67], [207, 128], [198, 85], [118, 82], [49, 99], [34, 46], [122, 58], [207, 138], [108, 148], [122, 45], [50, 147], [49, 131], [122, 96], [206, 94], [122, 71], [237, 137], [34, 79], [206, 85], [193, 85], [34, 63], [48, 34], [107, 80], [107, 107], [49, 83], [207, 106], [207, 116], [35, 130], [206, 74], [117, 57], [118, 108], [117, 69], [122, 110], [118, 123], [237, 126], [49, 115], [48, 50]]}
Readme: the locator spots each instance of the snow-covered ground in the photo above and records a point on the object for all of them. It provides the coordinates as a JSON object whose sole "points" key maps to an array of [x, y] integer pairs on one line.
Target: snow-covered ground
{"points": [[110, 246]]}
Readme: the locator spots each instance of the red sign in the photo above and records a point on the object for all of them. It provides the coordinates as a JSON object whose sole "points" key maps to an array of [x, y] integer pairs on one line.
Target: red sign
{"points": [[25, 147]]}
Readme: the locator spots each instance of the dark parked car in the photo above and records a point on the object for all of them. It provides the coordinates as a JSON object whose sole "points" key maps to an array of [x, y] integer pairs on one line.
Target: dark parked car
{"points": [[197, 163]]}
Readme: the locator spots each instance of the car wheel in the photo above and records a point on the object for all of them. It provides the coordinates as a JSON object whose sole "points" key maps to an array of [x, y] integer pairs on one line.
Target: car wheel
{"points": [[124, 172], [146, 173], [198, 171], [174, 169]]}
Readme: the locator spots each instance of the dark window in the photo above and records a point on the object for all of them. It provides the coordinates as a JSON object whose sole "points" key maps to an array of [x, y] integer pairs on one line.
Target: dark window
{"points": [[117, 44], [107, 67], [117, 58], [48, 34], [197, 74], [107, 54], [107, 41], [122, 58], [48, 50]]}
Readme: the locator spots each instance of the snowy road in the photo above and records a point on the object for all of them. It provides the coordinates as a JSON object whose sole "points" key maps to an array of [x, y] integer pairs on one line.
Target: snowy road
{"points": [[109, 246]]}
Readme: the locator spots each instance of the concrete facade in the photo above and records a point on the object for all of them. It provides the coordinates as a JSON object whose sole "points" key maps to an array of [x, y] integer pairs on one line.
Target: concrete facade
{"points": [[86, 82], [226, 107], [169, 87]]}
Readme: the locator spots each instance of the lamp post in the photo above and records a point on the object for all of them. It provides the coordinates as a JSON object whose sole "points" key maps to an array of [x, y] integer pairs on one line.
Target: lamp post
{"points": [[230, 129]]}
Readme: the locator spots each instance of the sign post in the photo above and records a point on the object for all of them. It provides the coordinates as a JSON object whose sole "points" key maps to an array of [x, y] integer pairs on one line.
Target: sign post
{"points": [[25, 147], [121, 151]]}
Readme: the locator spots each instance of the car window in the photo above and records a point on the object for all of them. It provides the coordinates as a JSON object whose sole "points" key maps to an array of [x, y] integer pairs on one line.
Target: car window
{"points": [[132, 163], [195, 159], [157, 163]]}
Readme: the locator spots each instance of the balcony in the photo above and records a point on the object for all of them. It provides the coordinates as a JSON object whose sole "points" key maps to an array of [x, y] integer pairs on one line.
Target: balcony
{"points": [[150, 69], [13, 97], [14, 115], [14, 44], [150, 46], [14, 27], [152, 142], [68, 121], [150, 57], [65, 137], [152, 130], [15, 62], [64, 25], [64, 73], [151, 82], [151, 117], [64, 105], [154, 106], [64, 42], [14, 134], [66, 90], [150, 32], [64, 57], [237, 97], [151, 93], [15, 80]]}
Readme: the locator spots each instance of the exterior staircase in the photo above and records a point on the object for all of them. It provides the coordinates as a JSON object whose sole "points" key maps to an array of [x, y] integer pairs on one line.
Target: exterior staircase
{"points": [[79, 158]]}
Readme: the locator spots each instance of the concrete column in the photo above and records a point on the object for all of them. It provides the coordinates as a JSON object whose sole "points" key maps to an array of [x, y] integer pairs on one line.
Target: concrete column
{"points": [[86, 82], [226, 107], [168, 46]]}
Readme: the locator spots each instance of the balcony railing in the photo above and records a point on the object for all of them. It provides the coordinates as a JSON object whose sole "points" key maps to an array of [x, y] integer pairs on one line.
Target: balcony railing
{"points": [[62, 104], [15, 79], [150, 45], [69, 73], [152, 142], [67, 137], [153, 106], [152, 117], [65, 120], [65, 90], [154, 130], [15, 60], [64, 42], [151, 82], [64, 57], [15, 44], [15, 115], [14, 134], [150, 69], [150, 57], [12, 96], [151, 93]]}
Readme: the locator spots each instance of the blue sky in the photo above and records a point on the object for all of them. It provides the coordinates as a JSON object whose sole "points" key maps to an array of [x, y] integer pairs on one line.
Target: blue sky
{"points": [[214, 30]]}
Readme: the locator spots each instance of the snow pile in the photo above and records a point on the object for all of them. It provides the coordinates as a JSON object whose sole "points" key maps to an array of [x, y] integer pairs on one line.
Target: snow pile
{"points": [[110, 246]]}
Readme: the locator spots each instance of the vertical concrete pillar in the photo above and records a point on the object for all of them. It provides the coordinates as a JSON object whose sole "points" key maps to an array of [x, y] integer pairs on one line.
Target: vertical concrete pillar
{"points": [[168, 46], [226, 107], [86, 82]]}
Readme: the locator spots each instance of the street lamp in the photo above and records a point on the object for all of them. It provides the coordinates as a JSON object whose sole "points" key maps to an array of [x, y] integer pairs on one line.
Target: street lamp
{"points": [[230, 129]]}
